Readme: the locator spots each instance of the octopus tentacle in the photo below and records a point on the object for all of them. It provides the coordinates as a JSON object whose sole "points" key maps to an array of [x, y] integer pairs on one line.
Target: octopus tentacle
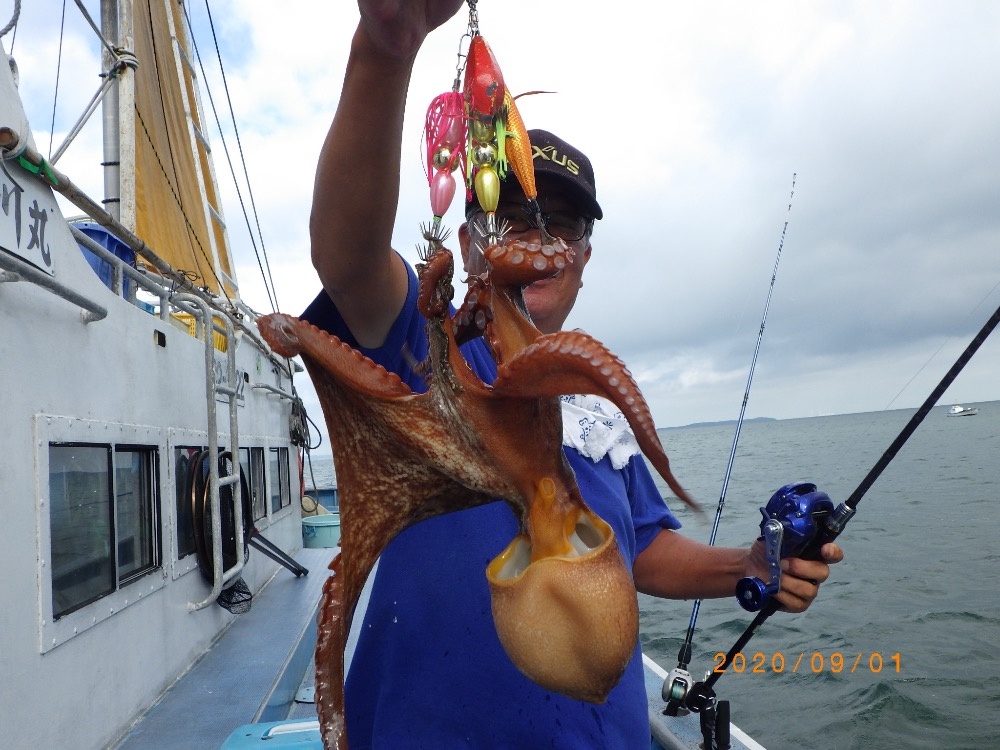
{"points": [[575, 362], [522, 262], [509, 333], [280, 333], [330, 643], [475, 314], [290, 336], [435, 291]]}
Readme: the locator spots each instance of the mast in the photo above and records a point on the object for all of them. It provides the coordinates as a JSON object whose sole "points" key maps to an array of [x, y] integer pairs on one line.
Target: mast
{"points": [[117, 108]]}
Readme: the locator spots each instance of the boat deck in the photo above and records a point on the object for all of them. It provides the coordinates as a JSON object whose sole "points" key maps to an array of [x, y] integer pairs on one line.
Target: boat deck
{"points": [[234, 682]]}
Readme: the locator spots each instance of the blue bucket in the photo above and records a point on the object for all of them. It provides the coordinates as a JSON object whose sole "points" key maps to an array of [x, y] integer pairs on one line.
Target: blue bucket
{"points": [[109, 242], [321, 531]]}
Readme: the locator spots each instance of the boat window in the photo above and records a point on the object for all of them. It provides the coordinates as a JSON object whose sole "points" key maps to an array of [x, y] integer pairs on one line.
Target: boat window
{"points": [[252, 464], [281, 495], [136, 506], [102, 516]]}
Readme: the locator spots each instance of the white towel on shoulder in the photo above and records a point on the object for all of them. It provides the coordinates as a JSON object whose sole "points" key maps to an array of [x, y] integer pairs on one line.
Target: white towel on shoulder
{"points": [[597, 428]]}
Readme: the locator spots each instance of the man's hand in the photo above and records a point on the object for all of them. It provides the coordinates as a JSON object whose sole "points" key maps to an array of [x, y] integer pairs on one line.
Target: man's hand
{"points": [[800, 579], [398, 27]]}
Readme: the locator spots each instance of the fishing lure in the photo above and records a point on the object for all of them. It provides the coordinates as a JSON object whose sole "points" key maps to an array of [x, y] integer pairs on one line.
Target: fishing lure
{"points": [[484, 94], [445, 135], [479, 130]]}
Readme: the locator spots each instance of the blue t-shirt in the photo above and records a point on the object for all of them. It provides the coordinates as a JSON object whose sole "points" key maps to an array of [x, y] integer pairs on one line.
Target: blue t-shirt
{"points": [[428, 670]]}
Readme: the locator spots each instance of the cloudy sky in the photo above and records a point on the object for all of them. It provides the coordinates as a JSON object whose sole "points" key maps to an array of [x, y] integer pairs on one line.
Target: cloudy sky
{"points": [[696, 116]]}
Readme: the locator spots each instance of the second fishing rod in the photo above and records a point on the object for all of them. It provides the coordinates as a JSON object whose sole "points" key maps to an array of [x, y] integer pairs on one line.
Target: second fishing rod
{"points": [[679, 681]]}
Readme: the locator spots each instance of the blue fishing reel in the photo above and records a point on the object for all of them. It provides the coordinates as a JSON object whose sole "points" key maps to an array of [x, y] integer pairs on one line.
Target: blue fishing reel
{"points": [[793, 518]]}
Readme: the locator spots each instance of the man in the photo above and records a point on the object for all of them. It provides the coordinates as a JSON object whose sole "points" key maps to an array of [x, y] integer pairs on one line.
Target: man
{"points": [[428, 670]]}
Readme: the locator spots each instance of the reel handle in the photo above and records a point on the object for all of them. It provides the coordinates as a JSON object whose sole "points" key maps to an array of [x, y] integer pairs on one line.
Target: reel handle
{"points": [[795, 524]]}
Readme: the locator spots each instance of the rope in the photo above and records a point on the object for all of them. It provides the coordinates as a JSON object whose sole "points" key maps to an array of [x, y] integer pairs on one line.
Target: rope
{"points": [[13, 21]]}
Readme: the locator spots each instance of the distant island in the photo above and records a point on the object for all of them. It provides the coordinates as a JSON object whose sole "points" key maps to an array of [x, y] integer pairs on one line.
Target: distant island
{"points": [[716, 424]]}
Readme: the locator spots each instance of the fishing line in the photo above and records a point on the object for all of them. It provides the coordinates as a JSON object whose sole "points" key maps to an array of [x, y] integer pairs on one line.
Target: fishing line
{"points": [[678, 681], [943, 345], [702, 694], [866, 430]]}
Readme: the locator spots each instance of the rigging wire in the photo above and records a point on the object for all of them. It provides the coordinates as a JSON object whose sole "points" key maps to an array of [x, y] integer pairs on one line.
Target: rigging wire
{"points": [[55, 94], [302, 421], [264, 265], [266, 275], [96, 27], [684, 655]]}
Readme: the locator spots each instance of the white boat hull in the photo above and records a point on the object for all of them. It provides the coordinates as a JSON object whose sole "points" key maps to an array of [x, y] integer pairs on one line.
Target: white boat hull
{"points": [[97, 621]]}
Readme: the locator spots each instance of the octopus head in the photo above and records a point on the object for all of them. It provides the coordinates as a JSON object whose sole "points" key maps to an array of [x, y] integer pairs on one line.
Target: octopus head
{"points": [[564, 603]]}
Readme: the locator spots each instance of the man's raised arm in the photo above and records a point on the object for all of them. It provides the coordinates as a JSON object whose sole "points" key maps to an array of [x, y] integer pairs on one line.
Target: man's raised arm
{"points": [[357, 179]]}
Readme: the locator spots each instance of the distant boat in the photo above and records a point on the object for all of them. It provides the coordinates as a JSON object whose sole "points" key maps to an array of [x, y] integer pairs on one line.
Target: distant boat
{"points": [[961, 411]]}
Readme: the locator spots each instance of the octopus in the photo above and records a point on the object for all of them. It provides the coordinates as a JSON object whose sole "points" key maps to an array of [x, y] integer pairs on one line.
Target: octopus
{"points": [[563, 600]]}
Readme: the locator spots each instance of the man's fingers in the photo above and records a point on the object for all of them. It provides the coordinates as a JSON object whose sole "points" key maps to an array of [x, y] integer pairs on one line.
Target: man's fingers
{"points": [[810, 570], [832, 553]]}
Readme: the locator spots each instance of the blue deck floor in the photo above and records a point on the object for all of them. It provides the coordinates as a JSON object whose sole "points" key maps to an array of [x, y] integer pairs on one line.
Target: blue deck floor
{"points": [[233, 682]]}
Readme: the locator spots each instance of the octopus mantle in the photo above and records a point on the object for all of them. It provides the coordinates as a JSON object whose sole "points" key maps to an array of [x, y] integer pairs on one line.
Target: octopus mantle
{"points": [[564, 603]]}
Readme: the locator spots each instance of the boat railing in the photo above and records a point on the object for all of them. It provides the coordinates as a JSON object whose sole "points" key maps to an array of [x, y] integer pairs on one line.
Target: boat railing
{"points": [[169, 301], [273, 389], [205, 317], [14, 148], [14, 269], [120, 269]]}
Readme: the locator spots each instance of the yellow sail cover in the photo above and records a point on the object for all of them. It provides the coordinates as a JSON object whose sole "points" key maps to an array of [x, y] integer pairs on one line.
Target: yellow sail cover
{"points": [[178, 212]]}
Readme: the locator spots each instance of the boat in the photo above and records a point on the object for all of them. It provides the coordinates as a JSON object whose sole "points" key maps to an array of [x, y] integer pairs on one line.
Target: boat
{"points": [[963, 411], [156, 582], [130, 361]]}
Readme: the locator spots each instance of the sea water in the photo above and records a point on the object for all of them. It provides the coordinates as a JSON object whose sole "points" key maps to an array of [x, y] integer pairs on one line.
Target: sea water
{"points": [[901, 648]]}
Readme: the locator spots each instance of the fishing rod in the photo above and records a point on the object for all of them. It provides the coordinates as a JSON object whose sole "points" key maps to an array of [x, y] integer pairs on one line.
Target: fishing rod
{"points": [[679, 681], [799, 520]]}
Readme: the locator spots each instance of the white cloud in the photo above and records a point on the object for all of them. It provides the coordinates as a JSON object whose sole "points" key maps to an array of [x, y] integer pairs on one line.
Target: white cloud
{"points": [[696, 116]]}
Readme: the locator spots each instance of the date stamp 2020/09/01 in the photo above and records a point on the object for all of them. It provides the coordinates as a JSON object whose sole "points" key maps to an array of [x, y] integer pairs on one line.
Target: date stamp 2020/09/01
{"points": [[815, 662]]}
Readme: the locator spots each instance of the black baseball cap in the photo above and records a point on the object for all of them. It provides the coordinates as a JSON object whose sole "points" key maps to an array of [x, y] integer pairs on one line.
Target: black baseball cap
{"points": [[555, 157]]}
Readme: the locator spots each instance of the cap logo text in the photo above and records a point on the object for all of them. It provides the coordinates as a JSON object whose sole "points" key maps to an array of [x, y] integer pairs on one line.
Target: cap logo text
{"points": [[549, 153]]}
